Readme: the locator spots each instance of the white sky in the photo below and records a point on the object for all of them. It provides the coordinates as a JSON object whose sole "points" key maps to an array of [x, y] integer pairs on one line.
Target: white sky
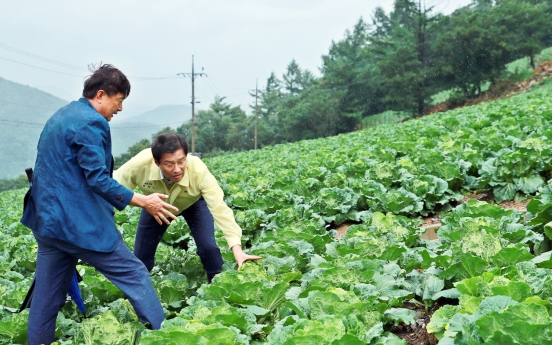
{"points": [[235, 41]]}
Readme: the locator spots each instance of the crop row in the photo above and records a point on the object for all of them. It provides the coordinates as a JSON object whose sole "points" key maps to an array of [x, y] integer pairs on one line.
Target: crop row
{"points": [[313, 288]]}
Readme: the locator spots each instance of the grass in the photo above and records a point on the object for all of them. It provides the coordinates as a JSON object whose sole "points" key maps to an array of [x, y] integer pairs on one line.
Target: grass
{"points": [[521, 68]]}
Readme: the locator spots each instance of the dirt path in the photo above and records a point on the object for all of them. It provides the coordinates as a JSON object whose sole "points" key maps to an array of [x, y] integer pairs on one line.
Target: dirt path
{"points": [[433, 222]]}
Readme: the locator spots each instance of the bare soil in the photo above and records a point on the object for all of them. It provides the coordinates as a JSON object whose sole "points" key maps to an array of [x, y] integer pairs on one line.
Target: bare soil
{"points": [[520, 206], [434, 220], [416, 334], [342, 229]]}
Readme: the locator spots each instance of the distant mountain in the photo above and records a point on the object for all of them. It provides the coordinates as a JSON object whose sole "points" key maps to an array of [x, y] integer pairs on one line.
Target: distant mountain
{"points": [[168, 115], [129, 131], [24, 111]]}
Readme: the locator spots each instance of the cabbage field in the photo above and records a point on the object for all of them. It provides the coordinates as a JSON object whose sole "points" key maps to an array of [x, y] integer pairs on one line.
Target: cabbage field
{"points": [[487, 279]]}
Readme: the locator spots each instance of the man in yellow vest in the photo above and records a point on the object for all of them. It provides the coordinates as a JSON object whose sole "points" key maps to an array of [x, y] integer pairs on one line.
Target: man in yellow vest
{"points": [[167, 168]]}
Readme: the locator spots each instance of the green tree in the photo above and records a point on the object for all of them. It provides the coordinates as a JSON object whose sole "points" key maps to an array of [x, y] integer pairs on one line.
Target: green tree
{"points": [[268, 102], [293, 79], [270, 97], [241, 134], [131, 152], [313, 108], [217, 127], [402, 55], [312, 114], [472, 48], [381, 24], [349, 75], [530, 26], [15, 183], [210, 129]]}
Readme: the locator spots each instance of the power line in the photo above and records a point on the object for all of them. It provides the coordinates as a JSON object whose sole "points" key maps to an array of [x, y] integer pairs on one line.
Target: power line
{"points": [[134, 78], [84, 48], [226, 86], [21, 123], [237, 94], [203, 94], [211, 81], [165, 107], [44, 69], [244, 131], [149, 126], [83, 76], [62, 64], [215, 91], [30, 106], [47, 37], [38, 57], [55, 109], [112, 127]]}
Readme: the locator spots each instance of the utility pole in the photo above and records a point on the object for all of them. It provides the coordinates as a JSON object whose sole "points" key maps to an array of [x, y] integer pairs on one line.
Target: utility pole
{"points": [[256, 110], [192, 75]]}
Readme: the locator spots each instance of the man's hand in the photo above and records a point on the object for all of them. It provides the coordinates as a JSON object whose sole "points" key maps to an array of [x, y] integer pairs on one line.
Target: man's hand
{"points": [[155, 206], [242, 257]]}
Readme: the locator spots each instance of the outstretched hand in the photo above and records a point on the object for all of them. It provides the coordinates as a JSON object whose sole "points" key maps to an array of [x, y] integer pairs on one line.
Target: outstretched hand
{"points": [[241, 256], [155, 206]]}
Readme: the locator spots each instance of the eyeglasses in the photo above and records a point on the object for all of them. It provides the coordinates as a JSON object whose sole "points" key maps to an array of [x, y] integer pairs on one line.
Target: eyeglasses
{"points": [[170, 165]]}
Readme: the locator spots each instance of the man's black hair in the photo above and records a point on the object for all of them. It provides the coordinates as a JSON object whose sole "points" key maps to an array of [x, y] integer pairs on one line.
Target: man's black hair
{"points": [[167, 143], [107, 78]]}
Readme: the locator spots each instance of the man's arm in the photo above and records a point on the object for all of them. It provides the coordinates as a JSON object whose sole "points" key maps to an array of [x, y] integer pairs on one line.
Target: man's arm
{"points": [[222, 214], [91, 156], [240, 256], [224, 217], [155, 206]]}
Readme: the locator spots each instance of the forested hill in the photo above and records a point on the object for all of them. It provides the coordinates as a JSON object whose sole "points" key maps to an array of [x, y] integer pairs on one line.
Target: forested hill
{"points": [[23, 111]]}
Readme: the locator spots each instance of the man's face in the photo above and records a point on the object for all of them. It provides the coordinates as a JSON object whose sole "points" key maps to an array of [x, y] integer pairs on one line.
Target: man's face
{"points": [[173, 165], [110, 105]]}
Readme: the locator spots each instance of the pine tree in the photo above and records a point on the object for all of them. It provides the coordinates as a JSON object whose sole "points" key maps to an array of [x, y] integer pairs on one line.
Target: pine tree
{"points": [[293, 79], [403, 57]]}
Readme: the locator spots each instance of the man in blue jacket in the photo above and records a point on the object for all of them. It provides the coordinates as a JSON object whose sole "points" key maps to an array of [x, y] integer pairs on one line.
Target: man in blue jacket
{"points": [[72, 202]]}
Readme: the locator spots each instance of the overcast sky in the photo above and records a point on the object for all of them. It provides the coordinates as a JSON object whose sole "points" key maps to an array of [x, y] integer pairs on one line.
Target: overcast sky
{"points": [[48, 44]]}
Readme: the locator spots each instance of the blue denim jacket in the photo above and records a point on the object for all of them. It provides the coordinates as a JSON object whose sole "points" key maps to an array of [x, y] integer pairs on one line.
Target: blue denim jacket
{"points": [[73, 194]]}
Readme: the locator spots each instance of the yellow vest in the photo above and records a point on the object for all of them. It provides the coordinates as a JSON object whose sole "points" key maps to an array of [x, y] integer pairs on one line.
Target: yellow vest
{"points": [[142, 172]]}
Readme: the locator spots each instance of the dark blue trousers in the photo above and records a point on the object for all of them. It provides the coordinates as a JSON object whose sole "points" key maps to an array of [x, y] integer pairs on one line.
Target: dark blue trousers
{"points": [[202, 226], [56, 261]]}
